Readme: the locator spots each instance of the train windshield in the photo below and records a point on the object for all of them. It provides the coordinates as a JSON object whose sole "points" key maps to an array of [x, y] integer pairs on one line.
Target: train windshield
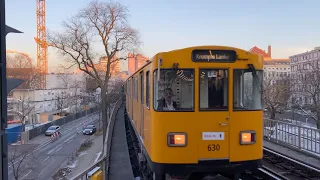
{"points": [[213, 89], [174, 91], [247, 85]]}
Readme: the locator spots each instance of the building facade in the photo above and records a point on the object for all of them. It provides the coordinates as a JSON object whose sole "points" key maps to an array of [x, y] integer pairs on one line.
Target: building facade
{"points": [[135, 62], [64, 91], [275, 70], [305, 76], [276, 76], [114, 67], [47, 100]]}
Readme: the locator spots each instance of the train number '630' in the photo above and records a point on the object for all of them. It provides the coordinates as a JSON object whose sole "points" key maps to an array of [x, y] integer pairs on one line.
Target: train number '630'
{"points": [[213, 147]]}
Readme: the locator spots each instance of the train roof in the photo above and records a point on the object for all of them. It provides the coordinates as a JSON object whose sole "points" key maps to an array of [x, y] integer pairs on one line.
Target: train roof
{"points": [[191, 48]]}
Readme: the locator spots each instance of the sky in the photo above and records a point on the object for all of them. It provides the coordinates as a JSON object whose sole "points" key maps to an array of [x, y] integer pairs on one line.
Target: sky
{"points": [[289, 26]]}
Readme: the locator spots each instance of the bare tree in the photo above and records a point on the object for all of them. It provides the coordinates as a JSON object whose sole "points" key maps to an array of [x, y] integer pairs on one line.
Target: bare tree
{"points": [[104, 23], [276, 93], [19, 66], [62, 98], [114, 93], [76, 94], [22, 163], [62, 103], [22, 108], [306, 85], [74, 86], [66, 98], [65, 79]]}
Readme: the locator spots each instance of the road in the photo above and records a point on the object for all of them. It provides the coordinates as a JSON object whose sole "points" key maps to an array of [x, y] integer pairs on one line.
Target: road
{"points": [[88, 157], [48, 157]]}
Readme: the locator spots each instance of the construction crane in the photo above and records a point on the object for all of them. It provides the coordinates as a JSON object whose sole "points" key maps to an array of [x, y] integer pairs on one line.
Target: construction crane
{"points": [[42, 46]]}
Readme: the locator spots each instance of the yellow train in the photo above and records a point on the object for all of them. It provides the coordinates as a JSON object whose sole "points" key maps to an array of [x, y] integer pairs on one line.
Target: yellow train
{"points": [[198, 110]]}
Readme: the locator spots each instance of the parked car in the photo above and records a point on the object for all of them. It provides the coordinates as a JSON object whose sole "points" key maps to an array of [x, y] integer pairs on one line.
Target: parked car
{"points": [[280, 110], [89, 130], [51, 130]]}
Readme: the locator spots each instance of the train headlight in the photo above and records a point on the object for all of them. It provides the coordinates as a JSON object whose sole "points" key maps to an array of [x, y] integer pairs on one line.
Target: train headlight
{"points": [[177, 139], [247, 137]]}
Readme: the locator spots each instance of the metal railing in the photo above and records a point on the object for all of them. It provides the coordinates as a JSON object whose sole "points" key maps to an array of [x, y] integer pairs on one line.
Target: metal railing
{"points": [[299, 137], [103, 162]]}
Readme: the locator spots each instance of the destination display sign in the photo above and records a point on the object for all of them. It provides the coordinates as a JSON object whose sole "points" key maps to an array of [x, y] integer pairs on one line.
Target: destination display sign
{"points": [[214, 56]]}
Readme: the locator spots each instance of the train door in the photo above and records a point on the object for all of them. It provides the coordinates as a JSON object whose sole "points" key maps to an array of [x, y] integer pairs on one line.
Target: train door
{"points": [[141, 104], [247, 115], [214, 111]]}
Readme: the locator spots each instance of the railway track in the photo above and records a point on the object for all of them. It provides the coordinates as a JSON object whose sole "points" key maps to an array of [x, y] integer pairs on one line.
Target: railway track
{"points": [[281, 167], [288, 167], [263, 173]]}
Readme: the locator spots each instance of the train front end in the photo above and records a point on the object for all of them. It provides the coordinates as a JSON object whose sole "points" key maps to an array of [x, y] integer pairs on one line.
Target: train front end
{"points": [[207, 112]]}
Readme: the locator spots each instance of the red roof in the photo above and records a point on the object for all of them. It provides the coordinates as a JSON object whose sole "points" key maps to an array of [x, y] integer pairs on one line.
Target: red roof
{"points": [[257, 50]]}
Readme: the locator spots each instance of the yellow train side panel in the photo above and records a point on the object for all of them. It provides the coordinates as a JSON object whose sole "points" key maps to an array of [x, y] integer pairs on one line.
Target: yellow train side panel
{"points": [[147, 141], [239, 121], [97, 176]]}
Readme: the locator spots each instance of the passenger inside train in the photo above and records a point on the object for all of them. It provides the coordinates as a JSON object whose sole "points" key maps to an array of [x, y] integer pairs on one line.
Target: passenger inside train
{"points": [[176, 87], [215, 92], [167, 103], [213, 89]]}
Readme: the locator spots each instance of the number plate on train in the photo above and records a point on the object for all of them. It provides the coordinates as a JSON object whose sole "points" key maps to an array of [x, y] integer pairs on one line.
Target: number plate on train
{"points": [[213, 147], [212, 135]]}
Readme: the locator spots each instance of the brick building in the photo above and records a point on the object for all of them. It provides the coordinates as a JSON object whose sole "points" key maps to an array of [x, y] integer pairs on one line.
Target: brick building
{"points": [[135, 62], [274, 68]]}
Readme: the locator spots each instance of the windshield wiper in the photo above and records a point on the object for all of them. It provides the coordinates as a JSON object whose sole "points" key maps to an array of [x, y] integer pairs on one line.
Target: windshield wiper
{"points": [[254, 73]]}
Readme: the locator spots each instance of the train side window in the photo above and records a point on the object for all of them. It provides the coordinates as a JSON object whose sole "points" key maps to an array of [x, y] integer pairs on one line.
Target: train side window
{"points": [[132, 88], [128, 87], [174, 91], [141, 87], [134, 85], [136, 88], [213, 88], [148, 89], [247, 90]]}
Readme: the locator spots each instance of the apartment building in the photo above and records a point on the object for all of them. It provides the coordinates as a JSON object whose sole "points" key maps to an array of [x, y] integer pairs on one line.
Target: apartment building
{"points": [[64, 91], [305, 70]]}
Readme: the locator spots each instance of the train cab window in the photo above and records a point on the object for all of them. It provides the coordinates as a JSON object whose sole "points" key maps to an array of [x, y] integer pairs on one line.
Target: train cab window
{"points": [[247, 90], [174, 91], [213, 88]]}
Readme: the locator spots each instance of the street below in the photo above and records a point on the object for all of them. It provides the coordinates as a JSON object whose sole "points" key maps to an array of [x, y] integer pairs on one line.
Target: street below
{"points": [[48, 157]]}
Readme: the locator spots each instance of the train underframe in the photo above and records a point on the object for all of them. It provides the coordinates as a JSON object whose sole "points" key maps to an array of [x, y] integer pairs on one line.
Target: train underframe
{"points": [[148, 170]]}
